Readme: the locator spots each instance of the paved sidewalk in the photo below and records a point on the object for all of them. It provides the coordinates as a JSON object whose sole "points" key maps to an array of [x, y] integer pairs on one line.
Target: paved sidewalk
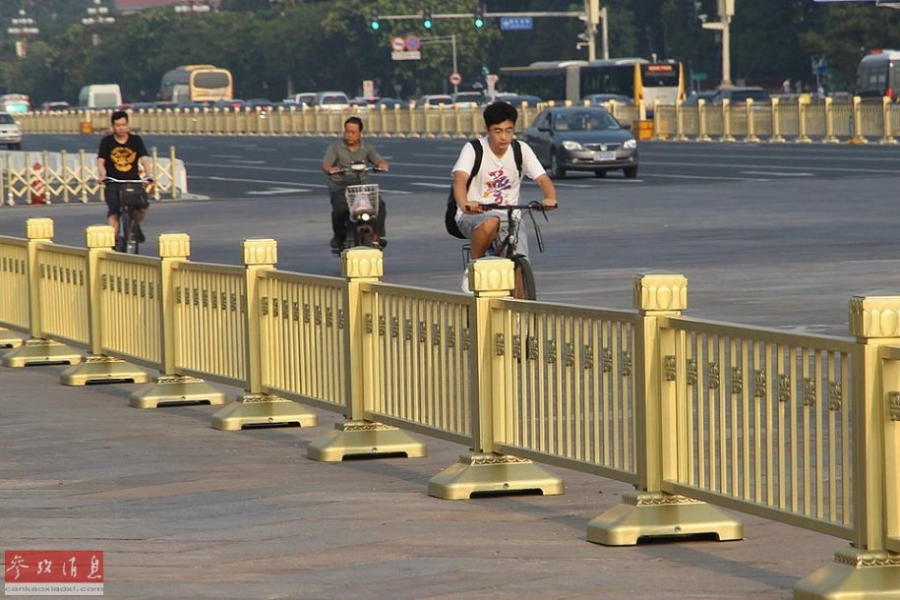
{"points": [[185, 511]]}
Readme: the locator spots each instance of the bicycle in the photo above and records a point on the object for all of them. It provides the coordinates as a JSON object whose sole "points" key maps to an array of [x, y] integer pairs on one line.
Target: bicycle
{"points": [[132, 197], [525, 287], [363, 206]]}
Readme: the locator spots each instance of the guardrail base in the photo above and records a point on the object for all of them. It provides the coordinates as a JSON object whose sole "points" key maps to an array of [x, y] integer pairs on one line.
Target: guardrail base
{"points": [[8, 339], [41, 352], [364, 438], [493, 474], [263, 410], [855, 573], [656, 514], [99, 368], [175, 389]]}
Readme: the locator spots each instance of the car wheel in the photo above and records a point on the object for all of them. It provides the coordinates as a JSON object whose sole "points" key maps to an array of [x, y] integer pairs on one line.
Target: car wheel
{"points": [[600, 173], [556, 170], [630, 172]]}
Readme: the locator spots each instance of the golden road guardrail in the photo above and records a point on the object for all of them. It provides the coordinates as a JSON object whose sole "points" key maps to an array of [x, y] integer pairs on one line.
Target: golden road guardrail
{"points": [[47, 177], [801, 429], [803, 119]]}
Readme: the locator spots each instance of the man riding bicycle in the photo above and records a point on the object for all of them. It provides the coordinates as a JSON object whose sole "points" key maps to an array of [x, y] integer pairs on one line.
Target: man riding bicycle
{"points": [[497, 181], [339, 157], [120, 156]]}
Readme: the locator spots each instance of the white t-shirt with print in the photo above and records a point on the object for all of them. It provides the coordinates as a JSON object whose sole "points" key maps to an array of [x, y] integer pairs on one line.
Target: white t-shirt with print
{"points": [[497, 181]]}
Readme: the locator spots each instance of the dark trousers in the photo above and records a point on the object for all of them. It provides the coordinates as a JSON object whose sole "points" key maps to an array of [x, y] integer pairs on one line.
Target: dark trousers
{"points": [[340, 214]]}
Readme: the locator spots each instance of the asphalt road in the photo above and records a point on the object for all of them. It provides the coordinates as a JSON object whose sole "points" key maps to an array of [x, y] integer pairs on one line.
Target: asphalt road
{"points": [[774, 235]]}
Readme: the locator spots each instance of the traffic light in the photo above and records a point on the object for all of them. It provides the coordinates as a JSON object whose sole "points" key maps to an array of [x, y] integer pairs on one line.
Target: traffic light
{"points": [[374, 22], [427, 20], [479, 16]]}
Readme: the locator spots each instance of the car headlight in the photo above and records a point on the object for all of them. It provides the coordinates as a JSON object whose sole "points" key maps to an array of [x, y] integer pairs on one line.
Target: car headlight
{"points": [[571, 145], [630, 144]]}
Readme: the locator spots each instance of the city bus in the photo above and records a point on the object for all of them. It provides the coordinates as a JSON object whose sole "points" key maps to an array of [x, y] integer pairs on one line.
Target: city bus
{"points": [[639, 79], [878, 75], [196, 83], [15, 103]]}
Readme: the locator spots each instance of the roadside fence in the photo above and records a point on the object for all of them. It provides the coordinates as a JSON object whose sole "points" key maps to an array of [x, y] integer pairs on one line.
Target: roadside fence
{"points": [[698, 415], [47, 177], [800, 120]]}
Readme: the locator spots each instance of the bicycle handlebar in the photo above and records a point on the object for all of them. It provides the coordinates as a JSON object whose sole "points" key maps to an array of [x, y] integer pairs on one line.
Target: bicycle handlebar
{"points": [[356, 169]]}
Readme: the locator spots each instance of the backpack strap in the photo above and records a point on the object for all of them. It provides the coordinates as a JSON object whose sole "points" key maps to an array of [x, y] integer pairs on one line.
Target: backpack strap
{"points": [[517, 154], [479, 154]]}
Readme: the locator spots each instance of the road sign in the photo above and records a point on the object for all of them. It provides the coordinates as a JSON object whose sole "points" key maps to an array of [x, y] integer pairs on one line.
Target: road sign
{"points": [[398, 44], [455, 78], [406, 55], [413, 43], [516, 23]]}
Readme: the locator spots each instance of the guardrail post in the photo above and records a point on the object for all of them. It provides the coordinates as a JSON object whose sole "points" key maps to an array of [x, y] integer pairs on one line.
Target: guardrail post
{"points": [[751, 126], [355, 435], [38, 350], [648, 511], [481, 470], [726, 121], [257, 407], [96, 366], [679, 121], [776, 138], [802, 111], [702, 135], [886, 105], [829, 138], [866, 569], [856, 133], [169, 387]]}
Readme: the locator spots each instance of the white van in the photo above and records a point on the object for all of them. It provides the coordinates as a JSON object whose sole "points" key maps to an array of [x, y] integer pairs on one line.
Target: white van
{"points": [[103, 95]]}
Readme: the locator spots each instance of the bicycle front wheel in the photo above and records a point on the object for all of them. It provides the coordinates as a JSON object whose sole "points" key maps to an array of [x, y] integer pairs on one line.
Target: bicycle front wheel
{"points": [[524, 275]]}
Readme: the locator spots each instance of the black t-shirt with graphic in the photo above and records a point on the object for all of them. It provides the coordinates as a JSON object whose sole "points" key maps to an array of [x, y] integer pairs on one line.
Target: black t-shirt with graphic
{"points": [[122, 160]]}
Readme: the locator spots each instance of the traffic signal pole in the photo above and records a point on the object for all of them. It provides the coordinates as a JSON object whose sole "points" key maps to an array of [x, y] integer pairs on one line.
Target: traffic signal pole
{"points": [[726, 12]]}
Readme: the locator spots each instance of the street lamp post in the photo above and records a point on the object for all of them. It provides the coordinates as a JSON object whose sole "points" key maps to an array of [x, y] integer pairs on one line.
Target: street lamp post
{"points": [[723, 26], [23, 26], [97, 16]]}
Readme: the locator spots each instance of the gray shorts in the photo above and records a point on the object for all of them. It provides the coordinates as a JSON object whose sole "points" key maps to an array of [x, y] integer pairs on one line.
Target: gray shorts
{"points": [[469, 223]]}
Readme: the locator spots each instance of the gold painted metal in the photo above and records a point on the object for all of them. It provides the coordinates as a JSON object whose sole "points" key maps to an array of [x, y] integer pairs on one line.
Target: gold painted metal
{"points": [[479, 473], [364, 438], [103, 369], [175, 389], [39, 351], [263, 410], [656, 514], [8, 339], [854, 574]]}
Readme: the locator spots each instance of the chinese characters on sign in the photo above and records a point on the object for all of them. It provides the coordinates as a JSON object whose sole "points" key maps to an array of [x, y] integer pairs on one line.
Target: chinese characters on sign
{"points": [[53, 572]]}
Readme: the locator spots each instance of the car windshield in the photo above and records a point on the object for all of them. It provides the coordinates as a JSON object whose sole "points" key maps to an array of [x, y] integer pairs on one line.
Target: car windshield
{"points": [[6, 120], [584, 121]]}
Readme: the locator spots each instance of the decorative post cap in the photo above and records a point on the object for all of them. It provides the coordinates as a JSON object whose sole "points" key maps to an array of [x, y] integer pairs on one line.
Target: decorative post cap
{"points": [[174, 245], [100, 236], [660, 292], [362, 263], [492, 276], [260, 252], [39, 228], [875, 316]]}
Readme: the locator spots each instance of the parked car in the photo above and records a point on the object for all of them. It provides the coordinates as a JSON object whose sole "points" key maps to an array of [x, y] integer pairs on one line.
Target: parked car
{"points": [[10, 132], [331, 101], [232, 105], [431, 101], [581, 138], [361, 103], [739, 96], [694, 99], [519, 99], [57, 106], [606, 99], [467, 99], [391, 103], [305, 99]]}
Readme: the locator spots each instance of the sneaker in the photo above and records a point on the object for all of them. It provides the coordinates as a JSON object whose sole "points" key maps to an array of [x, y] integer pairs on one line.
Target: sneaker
{"points": [[139, 234], [464, 286]]}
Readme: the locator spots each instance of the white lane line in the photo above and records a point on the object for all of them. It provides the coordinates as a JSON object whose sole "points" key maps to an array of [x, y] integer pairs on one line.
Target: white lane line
{"points": [[777, 174]]}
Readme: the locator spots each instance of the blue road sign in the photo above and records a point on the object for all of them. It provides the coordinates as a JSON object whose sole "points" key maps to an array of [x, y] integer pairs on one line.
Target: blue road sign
{"points": [[516, 23]]}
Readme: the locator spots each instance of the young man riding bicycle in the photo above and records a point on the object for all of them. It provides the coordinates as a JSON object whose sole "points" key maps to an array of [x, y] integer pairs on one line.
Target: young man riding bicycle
{"points": [[120, 156], [497, 181]]}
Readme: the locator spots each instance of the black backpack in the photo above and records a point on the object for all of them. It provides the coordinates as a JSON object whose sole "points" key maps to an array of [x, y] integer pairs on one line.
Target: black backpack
{"points": [[450, 214]]}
